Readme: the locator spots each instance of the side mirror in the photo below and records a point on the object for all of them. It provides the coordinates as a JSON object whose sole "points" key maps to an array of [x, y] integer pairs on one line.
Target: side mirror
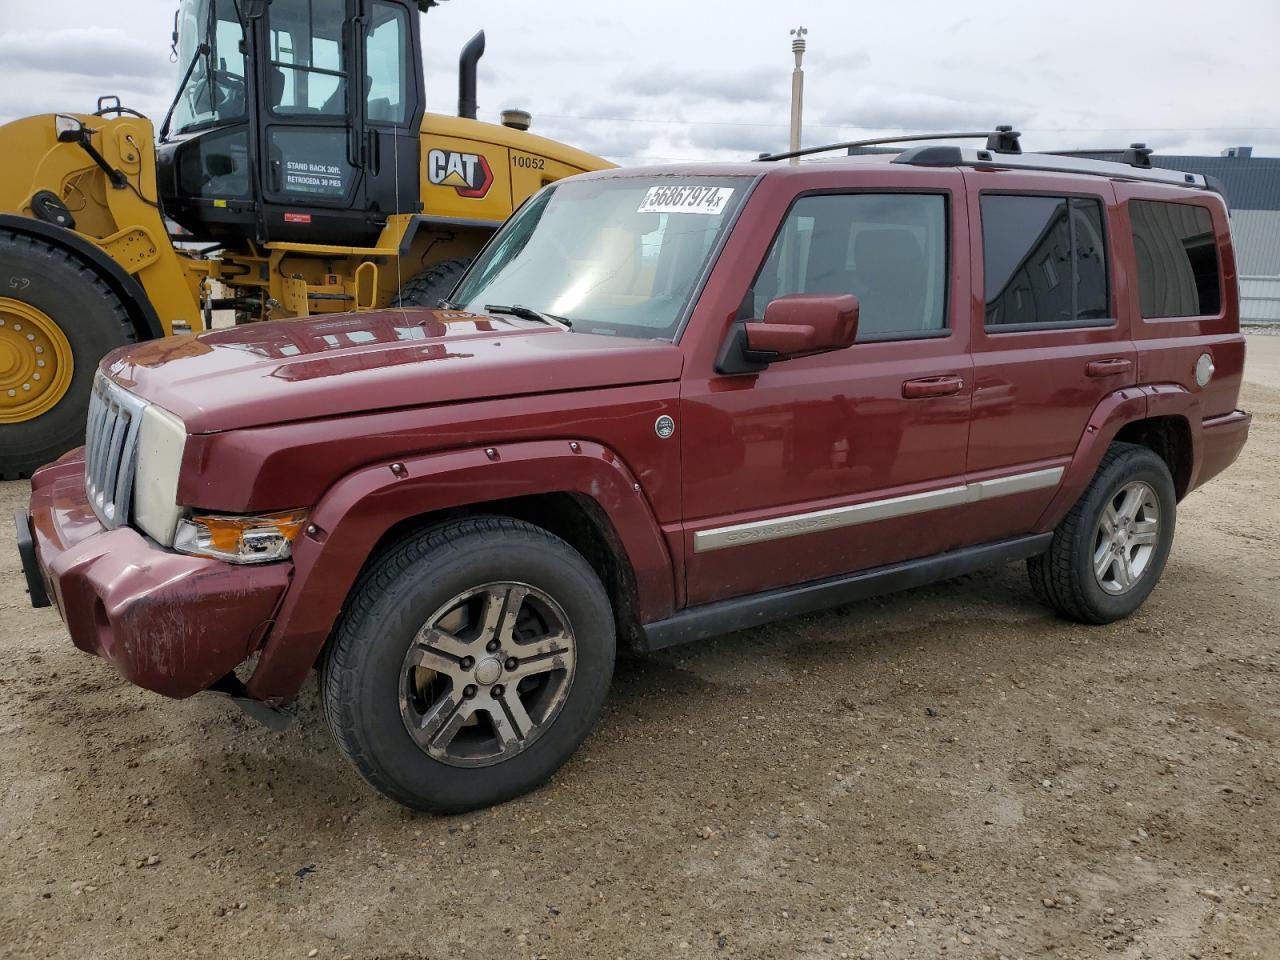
{"points": [[797, 325]]}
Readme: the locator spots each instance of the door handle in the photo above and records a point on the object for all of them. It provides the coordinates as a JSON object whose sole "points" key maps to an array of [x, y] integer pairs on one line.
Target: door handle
{"points": [[932, 387], [1108, 368]]}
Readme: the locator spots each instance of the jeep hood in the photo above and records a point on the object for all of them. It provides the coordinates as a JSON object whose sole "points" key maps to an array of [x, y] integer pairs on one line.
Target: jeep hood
{"points": [[285, 370]]}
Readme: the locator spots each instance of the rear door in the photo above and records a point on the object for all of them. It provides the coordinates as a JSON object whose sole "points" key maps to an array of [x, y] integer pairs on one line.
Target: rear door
{"points": [[1051, 334], [822, 465]]}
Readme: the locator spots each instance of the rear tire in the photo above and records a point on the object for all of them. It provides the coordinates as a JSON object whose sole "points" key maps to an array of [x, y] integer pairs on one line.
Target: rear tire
{"points": [[1103, 563], [429, 286], [47, 286], [439, 701]]}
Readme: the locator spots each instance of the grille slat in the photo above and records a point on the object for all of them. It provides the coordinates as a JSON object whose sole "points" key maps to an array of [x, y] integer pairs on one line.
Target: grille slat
{"points": [[114, 449], [111, 442], [101, 441]]}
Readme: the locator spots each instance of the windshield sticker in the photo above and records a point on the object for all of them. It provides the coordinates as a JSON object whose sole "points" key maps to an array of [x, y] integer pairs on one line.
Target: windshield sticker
{"points": [[685, 199]]}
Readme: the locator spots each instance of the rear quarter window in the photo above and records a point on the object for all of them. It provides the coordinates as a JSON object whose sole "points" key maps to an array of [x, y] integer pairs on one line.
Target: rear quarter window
{"points": [[1177, 259]]}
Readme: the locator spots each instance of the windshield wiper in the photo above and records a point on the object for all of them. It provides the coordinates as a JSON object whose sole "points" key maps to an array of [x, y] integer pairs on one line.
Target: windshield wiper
{"points": [[201, 51], [528, 313]]}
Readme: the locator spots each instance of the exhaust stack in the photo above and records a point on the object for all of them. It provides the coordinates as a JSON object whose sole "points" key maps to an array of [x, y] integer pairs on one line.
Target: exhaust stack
{"points": [[471, 54]]}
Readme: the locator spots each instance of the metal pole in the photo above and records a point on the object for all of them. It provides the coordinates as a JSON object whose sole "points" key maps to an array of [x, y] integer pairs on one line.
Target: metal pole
{"points": [[797, 86]]}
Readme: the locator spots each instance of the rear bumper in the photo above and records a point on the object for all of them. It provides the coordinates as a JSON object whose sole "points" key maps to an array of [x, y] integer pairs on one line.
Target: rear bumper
{"points": [[1221, 440], [171, 623]]}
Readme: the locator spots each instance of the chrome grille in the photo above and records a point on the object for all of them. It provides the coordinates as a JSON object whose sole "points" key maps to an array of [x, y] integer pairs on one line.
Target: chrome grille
{"points": [[110, 450]]}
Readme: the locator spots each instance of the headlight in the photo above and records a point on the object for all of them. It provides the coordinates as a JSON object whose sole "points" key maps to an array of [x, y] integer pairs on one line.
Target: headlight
{"points": [[161, 437], [240, 539]]}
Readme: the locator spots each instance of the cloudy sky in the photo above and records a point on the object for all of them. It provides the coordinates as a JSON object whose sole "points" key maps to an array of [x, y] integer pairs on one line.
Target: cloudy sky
{"points": [[665, 80]]}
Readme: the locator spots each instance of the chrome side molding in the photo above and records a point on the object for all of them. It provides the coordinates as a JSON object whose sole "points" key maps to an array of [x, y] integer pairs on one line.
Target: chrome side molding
{"points": [[796, 524]]}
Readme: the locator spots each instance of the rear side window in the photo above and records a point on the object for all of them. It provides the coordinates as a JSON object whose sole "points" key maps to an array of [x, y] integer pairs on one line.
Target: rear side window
{"points": [[888, 249], [1177, 259], [1044, 261]]}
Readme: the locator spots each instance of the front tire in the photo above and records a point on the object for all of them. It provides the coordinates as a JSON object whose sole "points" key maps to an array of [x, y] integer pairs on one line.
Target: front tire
{"points": [[1109, 551], [470, 663]]}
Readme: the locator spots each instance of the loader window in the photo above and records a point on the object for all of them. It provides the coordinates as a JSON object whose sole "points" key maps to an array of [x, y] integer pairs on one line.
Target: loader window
{"points": [[215, 91], [386, 58], [308, 67]]}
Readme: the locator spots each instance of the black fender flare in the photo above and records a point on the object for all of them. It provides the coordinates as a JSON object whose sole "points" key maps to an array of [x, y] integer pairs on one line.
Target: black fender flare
{"points": [[146, 322]]}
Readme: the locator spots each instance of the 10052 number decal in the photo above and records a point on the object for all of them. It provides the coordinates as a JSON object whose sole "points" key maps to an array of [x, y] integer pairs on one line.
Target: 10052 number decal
{"points": [[528, 163]]}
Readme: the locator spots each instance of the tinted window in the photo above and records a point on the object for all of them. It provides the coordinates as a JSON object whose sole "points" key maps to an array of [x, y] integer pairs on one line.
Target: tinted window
{"points": [[1091, 260], [1044, 260], [889, 250], [215, 165], [1177, 259]]}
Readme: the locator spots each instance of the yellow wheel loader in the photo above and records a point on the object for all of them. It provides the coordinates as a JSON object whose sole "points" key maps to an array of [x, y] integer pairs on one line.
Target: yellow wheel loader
{"points": [[295, 174]]}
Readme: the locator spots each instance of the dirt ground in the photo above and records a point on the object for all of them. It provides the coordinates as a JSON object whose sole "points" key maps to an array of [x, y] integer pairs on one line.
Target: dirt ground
{"points": [[949, 772]]}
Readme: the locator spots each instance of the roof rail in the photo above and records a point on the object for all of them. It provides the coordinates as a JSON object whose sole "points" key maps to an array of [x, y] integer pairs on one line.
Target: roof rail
{"points": [[1059, 162], [1004, 150], [1135, 155], [1003, 139]]}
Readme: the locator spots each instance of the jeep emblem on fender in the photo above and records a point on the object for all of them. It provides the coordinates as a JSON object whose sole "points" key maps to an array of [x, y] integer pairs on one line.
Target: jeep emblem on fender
{"points": [[664, 427]]}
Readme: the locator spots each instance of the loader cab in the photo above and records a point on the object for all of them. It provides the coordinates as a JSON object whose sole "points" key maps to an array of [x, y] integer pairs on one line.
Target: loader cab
{"points": [[298, 120]]}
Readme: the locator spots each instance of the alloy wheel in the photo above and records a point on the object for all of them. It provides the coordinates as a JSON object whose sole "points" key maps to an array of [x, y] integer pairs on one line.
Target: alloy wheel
{"points": [[1126, 538], [487, 674]]}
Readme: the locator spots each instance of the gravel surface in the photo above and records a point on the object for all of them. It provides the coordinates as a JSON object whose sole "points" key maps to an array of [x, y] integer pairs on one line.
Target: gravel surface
{"points": [[948, 772]]}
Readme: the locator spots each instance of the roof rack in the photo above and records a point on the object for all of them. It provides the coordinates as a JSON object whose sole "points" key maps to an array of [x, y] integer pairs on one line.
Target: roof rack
{"points": [[1003, 139], [1003, 142], [938, 156], [1135, 155]]}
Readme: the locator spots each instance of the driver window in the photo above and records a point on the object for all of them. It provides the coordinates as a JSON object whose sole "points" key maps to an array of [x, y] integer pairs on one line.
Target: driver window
{"points": [[386, 56], [888, 249], [308, 72]]}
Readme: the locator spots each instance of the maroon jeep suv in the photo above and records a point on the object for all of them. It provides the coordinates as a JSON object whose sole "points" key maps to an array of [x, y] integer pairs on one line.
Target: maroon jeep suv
{"points": [[664, 404]]}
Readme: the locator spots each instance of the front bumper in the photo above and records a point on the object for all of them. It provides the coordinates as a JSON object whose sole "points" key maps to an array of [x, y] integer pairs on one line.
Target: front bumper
{"points": [[170, 623]]}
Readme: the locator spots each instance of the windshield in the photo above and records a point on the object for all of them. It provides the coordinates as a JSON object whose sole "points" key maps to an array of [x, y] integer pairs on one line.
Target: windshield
{"points": [[215, 91], [612, 256]]}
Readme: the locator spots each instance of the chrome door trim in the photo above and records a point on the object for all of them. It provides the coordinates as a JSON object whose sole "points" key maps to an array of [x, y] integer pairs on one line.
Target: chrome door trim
{"points": [[796, 524]]}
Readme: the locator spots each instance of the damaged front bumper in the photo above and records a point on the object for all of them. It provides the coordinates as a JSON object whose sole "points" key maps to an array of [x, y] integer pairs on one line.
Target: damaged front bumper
{"points": [[171, 623]]}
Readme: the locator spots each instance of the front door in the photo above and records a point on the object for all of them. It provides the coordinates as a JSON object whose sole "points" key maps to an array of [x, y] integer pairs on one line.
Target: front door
{"points": [[822, 465]]}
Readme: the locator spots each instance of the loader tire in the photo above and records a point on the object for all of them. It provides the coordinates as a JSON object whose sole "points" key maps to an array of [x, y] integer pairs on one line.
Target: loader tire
{"points": [[57, 320], [429, 286]]}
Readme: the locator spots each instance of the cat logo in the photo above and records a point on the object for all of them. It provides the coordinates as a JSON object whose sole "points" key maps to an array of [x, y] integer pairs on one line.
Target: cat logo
{"points": [[467, 173]]}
